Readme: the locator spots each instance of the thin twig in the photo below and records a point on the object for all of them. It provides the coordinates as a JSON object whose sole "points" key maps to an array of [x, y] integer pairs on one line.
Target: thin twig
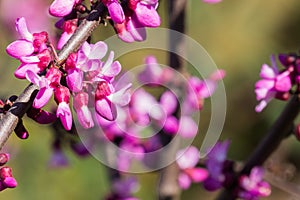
{"points": [[168, 188], [25, 99], [282, 128]]}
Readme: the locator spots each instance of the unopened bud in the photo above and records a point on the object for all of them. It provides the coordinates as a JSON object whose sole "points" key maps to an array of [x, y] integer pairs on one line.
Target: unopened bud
{"points": [[4, 157], [21, 131]]}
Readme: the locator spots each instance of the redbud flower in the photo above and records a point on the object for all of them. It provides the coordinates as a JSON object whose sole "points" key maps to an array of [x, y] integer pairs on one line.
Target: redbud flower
{"points": [[62, 97], [4, 157], [198, 90], [141, 13], [273, 83], [115, 10], [46, 84], [41, 116], [89, 56], [6, 178], [69, 27], [216, 160], [106, 99], [30, 49], [84, 115], [152, 74], [187, 159], [252, 186]]}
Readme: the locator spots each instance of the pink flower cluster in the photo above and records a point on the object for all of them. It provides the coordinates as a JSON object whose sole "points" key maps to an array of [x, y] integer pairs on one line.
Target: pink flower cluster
{"points": [[157, 118], [276, 83], [221, 174], [129, 18], [253, 187], [84, 75]]}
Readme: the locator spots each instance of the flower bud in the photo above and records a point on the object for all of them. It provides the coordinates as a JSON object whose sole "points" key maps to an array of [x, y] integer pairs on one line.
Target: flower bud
{"points": [[4, 157], [61, 94]]}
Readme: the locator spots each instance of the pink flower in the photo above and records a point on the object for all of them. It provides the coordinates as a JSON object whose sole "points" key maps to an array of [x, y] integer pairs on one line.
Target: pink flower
{"points": [[218, 167], [30, 49], [115, 10], [198, 90], [152, 74], [6, 179], [89, 56], [69, 27], [46, 84], [106, 99], [141, 14], [273, 84], [62, 97], [252, 186], [84, 115], [187, 159], [28, 43], [74, 74]]}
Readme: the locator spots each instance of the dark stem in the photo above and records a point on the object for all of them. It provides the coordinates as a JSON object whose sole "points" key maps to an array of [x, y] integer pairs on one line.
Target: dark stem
{"points": [[25, 99], [168, 188], [282, 128]]}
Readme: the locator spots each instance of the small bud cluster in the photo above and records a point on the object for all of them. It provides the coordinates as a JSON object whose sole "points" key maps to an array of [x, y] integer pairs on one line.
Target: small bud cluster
{"points": [[6, 178]]}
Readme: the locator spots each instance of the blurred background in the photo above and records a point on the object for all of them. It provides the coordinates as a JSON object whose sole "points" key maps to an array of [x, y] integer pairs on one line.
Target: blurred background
{"points": [[239, 35]]}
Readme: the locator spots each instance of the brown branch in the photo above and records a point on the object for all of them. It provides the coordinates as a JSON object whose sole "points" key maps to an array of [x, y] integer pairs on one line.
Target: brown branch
{"points": [[282, 128], [168, 188], [25, 99]]}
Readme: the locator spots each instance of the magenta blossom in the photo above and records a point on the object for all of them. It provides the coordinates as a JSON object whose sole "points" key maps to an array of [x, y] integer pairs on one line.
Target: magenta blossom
{"points": [[61, 8], [212, 1], [62, 98], [6, 178], [187, 159], [218, 167], [46, 85], [122, 189], [84, 115], [140, 14], [198, 90], [106, 99], [115, 10], [30, 49], [253, 187], [274, 84]]}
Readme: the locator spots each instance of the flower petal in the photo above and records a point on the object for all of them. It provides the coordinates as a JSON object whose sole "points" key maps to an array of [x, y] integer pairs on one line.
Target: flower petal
{"points": [[61, 8], [42, 97], [20, 48], [187, 127], [115, 11], [184, 181], [106, 109], [65, 115], [187, 158], [75, 80], [147, 15], [22, 29], [98, 50], [23, 68]]}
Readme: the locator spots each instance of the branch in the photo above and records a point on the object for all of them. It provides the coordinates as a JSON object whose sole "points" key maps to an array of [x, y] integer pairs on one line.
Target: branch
{"points": [[282, 127], [168, 188], [25, 99]]}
